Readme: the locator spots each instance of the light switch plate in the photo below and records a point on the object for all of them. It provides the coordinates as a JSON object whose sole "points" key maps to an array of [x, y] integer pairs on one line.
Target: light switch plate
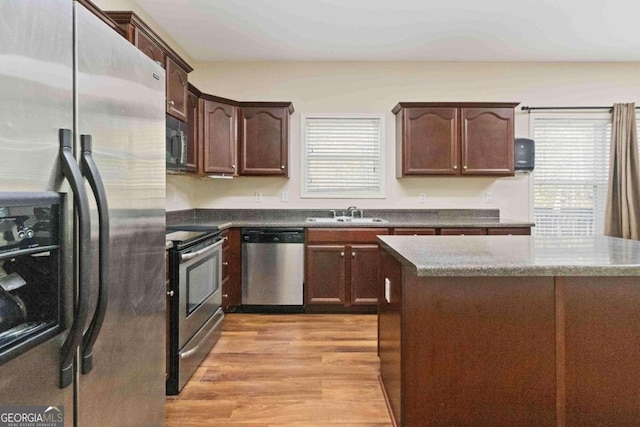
{"points": [[258, 196], [422, 197], [285, 196]]}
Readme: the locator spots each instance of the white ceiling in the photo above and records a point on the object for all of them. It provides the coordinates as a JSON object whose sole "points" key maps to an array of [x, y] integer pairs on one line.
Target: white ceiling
{"points": [[402, 30]]}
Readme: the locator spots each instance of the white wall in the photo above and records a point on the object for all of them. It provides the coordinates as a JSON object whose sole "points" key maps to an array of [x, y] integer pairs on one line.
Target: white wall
{"points": [[369, 87]]}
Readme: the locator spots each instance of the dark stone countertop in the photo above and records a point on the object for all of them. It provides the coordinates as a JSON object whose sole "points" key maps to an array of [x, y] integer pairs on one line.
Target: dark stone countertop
{"points": [[427, 218], [515, 255]]}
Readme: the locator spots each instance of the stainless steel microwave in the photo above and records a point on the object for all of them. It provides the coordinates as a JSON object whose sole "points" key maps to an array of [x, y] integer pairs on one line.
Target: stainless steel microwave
{"points": [[176, 145]]}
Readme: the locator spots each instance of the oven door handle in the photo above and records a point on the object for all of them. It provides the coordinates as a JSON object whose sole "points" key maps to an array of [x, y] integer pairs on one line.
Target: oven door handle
{"points": [[91, 172], [190, 352], [191, 255]]}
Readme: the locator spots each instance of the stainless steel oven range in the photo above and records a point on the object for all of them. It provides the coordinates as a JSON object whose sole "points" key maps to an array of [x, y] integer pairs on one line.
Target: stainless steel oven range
{"points": [[195, 313]]}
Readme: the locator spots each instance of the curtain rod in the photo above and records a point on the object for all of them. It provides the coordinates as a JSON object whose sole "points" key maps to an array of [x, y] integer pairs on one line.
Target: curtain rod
{"points": [[526, 108]]}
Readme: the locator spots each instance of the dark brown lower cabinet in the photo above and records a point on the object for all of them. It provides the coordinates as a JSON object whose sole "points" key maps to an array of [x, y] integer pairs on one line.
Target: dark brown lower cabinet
{"points": [[341, 269], [601, 346], [231, 269], [364, 274], [326, 268], [508, 350], [167, 305]]}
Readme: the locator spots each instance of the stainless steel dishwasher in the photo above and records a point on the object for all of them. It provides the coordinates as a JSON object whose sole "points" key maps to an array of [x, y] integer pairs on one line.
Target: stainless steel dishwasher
{"points": [[272, 268]]}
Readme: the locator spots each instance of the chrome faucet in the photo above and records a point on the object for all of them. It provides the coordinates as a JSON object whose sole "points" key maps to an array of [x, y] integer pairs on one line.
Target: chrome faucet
{"points": [[353, 211]]}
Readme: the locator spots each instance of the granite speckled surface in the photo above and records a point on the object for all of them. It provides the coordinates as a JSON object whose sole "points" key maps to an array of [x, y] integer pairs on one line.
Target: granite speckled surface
{"points": [[225, 218], [515, 255]]}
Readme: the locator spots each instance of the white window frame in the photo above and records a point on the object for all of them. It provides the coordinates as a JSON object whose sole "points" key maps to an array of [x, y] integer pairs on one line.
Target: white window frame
{"points": [[576, 114], [343, 194]]}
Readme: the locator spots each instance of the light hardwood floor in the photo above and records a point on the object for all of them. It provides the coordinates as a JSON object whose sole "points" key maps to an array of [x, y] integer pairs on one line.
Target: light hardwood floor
{"points": [[298, 370]]}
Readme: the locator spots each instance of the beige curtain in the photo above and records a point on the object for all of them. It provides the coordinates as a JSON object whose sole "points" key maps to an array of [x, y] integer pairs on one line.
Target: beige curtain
{"points": [[622, 217]]}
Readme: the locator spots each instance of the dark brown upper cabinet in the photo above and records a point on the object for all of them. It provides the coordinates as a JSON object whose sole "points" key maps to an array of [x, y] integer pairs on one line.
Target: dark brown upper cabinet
{"points": [[144, 38], [225, 131], [149, 47], [263, 138], [446, 138], [487, 141], [219, 136], [193, 129], [176, 90]]}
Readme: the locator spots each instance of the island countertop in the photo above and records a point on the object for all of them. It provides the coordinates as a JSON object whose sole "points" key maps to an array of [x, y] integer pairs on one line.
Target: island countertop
{"points": [[509, 330], [515, 255]]}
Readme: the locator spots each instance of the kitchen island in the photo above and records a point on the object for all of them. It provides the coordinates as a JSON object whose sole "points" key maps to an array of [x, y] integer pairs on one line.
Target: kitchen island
{"points": [[510, 330]]}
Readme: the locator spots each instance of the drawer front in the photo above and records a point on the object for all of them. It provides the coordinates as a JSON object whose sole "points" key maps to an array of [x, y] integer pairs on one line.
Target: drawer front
{"points": [[510, 231], [415, 231], [345, 235], [463, 231]]}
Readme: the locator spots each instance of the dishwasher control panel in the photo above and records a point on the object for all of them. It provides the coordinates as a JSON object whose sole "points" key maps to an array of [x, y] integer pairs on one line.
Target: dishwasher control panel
{"points": [[273, 235]]}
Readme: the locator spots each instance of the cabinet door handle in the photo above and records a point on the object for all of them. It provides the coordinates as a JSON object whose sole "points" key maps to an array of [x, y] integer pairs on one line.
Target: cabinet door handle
{"points": [[171, 293], [282, 167], [455, 167], [171, 103], [225, 264], [225, 295], [464, 167], [233, 166], [341, 254], [353, 254]]}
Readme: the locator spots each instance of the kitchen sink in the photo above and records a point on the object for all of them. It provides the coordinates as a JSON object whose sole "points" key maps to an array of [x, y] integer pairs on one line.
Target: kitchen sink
{"points": [[347, 219]]}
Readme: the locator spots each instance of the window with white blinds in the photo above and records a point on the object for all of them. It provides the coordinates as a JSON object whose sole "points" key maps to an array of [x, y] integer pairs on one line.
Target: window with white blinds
{"points": [[571, 174], [342, 156]]}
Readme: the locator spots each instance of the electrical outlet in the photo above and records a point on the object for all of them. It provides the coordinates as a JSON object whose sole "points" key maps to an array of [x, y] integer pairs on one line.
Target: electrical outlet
{"points": [[422, 198], [258, 196], [488, 197], [285, 196]]}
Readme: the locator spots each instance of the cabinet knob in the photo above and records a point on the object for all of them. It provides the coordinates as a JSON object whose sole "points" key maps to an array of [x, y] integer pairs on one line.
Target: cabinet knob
{"points": [[353, 254], [341, 253], [233, 166], [282, 167], [226, 264], [225, 295], [464, 167], [170, 293], [455, 167], [172, 103]]}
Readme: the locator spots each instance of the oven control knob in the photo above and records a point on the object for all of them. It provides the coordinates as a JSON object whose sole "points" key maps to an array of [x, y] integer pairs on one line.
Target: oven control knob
{"points": [[29, 233], [20, 234]]}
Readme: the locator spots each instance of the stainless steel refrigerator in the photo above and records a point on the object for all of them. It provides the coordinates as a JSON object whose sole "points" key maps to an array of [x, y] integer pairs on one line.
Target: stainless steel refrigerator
{"points": [[66, 79]]}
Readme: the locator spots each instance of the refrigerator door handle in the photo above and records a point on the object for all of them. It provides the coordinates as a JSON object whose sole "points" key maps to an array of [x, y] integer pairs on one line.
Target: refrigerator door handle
{"points": [[92, 174], [72, 173]]}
